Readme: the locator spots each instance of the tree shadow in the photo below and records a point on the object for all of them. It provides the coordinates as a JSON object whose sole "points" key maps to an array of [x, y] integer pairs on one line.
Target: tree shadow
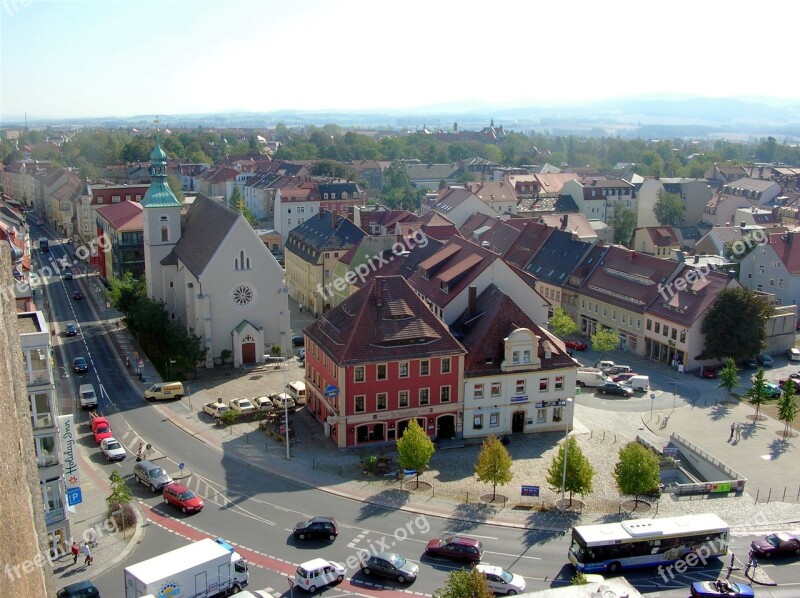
{"points": [[749, 430], [778, 447], [719, 411], [383, 503], [468, 516]]}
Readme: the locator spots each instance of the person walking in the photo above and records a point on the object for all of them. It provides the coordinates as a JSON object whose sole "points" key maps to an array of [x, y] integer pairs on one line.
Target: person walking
{"points": [[738, 432], [733, 430], [87, 552], [76, 550]]}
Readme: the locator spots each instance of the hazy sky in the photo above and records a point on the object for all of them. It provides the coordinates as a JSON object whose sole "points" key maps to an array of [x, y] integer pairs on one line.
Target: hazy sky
{"points": [[120, 57]]}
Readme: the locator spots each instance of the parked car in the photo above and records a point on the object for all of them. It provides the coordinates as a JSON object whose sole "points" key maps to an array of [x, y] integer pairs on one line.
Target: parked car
{"points": [[605, 364], [317, 573], [316, 528], [623, 377], [112, 449], [708, 371], [780, 544], [793, 354], [765, 360], [79, 589], [459, 548], [501, 581], [70, 330], [773, 390], [301, 354], [298, 340], [263, 404], [618, 369], [80, 365], [615, 388], [77, 295], [283, 401], [752, 363], [391, 565], [183, 498], [721, 588], [68, 275], [576, 345], [215, 409], [242, 406], [794, 378]]}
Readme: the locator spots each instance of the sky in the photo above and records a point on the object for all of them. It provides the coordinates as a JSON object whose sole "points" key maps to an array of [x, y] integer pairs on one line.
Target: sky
{"points": [[97, 58]]}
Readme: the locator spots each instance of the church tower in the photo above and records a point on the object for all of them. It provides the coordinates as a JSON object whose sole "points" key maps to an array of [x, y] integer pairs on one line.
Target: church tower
{"points": [[162, 223]]}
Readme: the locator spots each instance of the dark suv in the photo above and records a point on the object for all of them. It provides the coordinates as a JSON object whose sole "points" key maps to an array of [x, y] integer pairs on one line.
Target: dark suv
{"points": [[459, 548], [319, 528]]}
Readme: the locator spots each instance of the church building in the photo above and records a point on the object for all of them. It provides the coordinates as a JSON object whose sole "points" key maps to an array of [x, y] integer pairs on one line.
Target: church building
{"points": [[213, 273]]}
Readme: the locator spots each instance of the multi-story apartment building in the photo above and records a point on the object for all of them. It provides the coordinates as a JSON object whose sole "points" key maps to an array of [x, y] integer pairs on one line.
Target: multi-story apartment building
{"points": [[597, 197], [50, 432], [122, 227], [95, 195]]}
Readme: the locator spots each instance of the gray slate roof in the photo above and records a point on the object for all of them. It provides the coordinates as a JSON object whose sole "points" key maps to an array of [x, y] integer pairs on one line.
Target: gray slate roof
{"points": [[207, 223]]}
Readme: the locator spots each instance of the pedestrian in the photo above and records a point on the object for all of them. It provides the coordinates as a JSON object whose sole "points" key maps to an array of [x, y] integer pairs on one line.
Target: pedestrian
{"points": [[86, 552], [91, 537], [738, 432], [76, 550], [733, 430]]}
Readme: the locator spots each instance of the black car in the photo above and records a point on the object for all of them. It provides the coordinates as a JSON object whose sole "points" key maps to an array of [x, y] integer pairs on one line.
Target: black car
{"points": [[80, 589], [320, 528], [70, 330], [615, 388], [391, 565], [298, 340], [80, 366], [68, 275]]}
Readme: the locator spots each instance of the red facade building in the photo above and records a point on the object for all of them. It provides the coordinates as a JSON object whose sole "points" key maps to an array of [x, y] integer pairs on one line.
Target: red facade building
{"points": [[377, 361]]}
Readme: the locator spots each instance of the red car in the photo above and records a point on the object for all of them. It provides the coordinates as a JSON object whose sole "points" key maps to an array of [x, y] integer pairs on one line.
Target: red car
{"points": [[708, 372], [100, 429], [459, 548], [576, 345], [624, 377], [77, 295], [183, 498], [780, 544]]}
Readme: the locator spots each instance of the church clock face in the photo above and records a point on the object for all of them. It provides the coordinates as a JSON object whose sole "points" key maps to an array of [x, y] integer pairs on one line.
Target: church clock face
{"points": [[243, 295]]}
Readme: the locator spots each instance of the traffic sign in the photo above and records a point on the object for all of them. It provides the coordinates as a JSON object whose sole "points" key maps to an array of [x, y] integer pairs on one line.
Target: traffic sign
{"points": [[331, 391], [530, 490], [181, 466], [74, 496], [653, 396]]}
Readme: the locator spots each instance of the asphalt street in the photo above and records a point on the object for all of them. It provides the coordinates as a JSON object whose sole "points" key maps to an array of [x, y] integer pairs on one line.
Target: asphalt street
{"points": [[257, 510]]}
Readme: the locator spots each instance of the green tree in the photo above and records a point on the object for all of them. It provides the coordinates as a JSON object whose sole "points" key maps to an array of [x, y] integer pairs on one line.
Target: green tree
{"points": [[605, 339], [415, 448], [465, 583], [120, 492], [580, 473], [126, 291], [187, 348], [624, 223], [637, 472], [175, 184], [561, 324], [494, 464], [787, 406], [739, 337], [237, 201], [758, 393], [669, 208], [729, 376]]}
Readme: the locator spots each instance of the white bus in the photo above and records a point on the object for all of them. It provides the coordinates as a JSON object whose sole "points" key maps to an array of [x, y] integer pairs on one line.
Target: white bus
{"points": [[609, 547]]}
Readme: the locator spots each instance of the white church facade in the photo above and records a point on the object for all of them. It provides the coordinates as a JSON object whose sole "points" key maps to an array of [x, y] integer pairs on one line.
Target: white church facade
{"points": [[213, 273]]}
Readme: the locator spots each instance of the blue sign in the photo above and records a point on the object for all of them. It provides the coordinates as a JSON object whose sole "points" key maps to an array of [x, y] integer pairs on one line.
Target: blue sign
{"points": [[181, 466], [653, 396], [530, 491], [74, 496], [519, 399], [331, 391]]}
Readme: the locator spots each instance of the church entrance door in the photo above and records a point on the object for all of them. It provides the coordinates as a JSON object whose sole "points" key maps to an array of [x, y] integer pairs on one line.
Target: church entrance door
{"points": [[248, 352]]}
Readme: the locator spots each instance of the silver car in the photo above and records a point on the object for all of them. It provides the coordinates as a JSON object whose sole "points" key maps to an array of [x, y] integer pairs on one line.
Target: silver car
{"points": [[501, 581]]}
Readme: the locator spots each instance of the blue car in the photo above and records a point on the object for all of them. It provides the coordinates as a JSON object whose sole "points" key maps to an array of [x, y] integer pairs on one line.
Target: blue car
{"points": [[773, 390], [721, 588]]}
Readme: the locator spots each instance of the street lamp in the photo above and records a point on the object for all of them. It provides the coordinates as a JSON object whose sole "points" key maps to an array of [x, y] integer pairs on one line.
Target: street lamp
{"points": [[286, 409], [565, 405]]}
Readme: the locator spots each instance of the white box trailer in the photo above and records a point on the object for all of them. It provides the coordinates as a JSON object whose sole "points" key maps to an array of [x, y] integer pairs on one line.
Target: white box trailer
{"points": [[203, 568]]}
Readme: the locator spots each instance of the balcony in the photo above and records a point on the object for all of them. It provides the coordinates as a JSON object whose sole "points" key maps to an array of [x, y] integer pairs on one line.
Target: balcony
{"points": [[35, 377]]}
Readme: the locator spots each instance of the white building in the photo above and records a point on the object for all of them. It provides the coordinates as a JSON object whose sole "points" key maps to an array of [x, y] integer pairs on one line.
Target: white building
{"points": [[213, 273]]}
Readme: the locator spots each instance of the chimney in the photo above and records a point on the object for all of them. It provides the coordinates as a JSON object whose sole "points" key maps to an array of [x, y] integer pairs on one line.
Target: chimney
{"points": [[594, 182], [379, 291], [472, 301], [697, 259], [563, 222], [742, 225]]}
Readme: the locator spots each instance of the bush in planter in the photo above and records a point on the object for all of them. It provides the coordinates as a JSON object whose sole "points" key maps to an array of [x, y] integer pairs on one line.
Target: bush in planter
{"points": [[370, 463], [275, 350], [229, 417], [226, 356]]}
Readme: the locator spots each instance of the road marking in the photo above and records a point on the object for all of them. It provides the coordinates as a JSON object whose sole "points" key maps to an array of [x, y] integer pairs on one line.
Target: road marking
{"points": [[533, 558], [470, 535]]}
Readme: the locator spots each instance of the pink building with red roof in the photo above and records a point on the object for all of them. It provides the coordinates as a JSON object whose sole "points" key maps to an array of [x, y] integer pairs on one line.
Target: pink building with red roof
{"points": [[121, 225]]}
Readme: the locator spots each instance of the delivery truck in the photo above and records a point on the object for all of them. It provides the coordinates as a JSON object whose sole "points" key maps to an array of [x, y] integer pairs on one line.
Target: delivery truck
{"points": [[591, 377], [204, 568]]}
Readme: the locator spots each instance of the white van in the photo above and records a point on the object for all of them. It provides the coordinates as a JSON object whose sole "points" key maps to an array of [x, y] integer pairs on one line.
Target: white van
{"points": [[88, 396], [317, 573], [164, 390], [297, 390], [591, 378], [640, 383]]}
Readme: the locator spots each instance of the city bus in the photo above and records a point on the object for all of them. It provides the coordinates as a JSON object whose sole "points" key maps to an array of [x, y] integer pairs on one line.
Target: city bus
{"points": [[610, 547]]}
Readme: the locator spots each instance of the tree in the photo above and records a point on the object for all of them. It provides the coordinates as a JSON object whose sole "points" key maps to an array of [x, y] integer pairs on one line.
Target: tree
{"points": [[494, 464], [624, 223], [187, 348], [120, 492], [729, 376], [637, 471], [126, 291], [787, 407], [605, 340], [669, 208], [415, 448], [580, 473], [758, 393], [738, 337], [236, 200], [463, 583], [175, 185], [561, 324]]}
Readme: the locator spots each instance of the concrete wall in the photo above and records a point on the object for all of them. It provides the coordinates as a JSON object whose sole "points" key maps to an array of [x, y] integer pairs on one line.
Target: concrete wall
{"points": [[23, 539], [711, 469]]}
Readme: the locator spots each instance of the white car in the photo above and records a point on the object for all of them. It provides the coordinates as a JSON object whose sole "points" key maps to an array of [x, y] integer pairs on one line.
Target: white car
{"points": [[501, 581], [263, 404], [112, 449], [318, 573], [793, 354], [215, 409], [242, 406], [283, 401], [253, 594]]}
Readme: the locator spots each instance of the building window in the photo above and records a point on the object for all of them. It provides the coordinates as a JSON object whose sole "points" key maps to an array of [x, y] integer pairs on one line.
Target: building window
{"points": [[46, 451], [494, 420], [657, 327], [444, 394], [556, 414], [380, 371], [477, 392], [526, 356], [424, 367], [477, 422], [165, 234], [541, 416], [358, 373], [683, 336], [402, 369], [445, 365], [772, 282], [543, 383], [402, 398], [41, 411], [424, 396], [51, 493], [360, 404], [519, 389], [666, 330], [780, 283], [496, 389], [515, 358], [761, 269], [382, 402], [559, 383], [674, 334]]}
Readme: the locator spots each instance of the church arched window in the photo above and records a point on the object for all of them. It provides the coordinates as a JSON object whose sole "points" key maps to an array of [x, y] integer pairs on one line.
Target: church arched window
{"points": [[164, 234]]}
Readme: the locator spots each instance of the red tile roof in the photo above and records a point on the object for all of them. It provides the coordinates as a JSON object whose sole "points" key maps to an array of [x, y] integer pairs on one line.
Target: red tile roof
{"points": [[787, 248], [687, 306], [126, 215]]}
